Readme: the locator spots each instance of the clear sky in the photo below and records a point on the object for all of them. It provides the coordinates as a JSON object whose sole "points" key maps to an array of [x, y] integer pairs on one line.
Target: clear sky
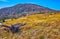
{"points": [[53, 4]]}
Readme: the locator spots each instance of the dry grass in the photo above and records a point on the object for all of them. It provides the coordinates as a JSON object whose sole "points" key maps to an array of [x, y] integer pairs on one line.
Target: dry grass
{"points": [[37, 26]]}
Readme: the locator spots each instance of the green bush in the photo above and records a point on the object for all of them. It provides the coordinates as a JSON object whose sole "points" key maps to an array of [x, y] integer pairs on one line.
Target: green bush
{"points": [[3, 19], [42, 37]]}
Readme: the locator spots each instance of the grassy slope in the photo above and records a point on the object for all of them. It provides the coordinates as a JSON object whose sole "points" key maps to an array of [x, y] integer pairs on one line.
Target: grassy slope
{"points": [[38, 26]]}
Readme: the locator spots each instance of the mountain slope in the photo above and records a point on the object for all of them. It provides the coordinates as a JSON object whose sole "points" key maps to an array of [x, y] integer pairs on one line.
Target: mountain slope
{"points": [[37, 27], [22, 9]]}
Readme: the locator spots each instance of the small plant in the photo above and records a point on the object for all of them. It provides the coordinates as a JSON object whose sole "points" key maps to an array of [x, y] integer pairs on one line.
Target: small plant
{"points": [[3, 19], [42, 37]]}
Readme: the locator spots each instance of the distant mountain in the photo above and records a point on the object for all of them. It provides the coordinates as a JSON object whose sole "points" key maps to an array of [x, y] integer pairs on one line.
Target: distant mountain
{"points": [[22, 9]]}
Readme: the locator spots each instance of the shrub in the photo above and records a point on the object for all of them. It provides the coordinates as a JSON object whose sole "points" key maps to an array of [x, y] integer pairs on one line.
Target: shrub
{"points": [[42, 37]]}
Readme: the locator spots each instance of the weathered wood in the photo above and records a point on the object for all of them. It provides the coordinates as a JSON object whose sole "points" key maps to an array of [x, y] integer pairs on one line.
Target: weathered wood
{"points": [[13, 28]]}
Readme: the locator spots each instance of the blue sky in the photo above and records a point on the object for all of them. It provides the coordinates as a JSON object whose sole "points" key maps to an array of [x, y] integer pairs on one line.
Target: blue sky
{"points": [[53, 4]]}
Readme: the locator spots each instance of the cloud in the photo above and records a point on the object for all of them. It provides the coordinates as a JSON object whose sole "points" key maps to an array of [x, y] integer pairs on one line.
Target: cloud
{"points": [[4, 0]]}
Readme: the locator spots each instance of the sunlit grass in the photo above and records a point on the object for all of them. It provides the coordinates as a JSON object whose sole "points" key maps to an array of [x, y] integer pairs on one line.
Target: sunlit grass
{"points": [[36, 26]]}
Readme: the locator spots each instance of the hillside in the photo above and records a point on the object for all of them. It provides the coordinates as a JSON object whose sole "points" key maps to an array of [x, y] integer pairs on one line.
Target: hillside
{"points": [[38, 26], [22, 10]]}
